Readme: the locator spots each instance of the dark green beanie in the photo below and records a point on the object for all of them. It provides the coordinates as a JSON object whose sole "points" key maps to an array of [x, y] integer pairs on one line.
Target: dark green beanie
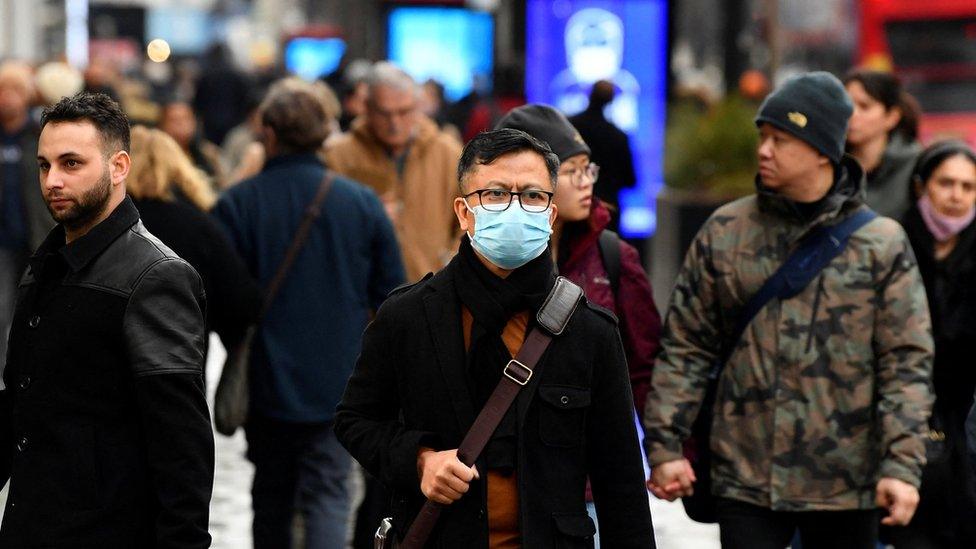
{"points": [[814, 107], [546, 124]]}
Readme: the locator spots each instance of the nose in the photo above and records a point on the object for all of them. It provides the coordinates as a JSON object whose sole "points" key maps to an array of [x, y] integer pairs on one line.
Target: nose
{"points": [[765, 149]]}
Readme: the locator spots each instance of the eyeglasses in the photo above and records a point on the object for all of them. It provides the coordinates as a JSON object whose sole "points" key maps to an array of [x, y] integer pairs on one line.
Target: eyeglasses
{"points": [[498, 200], [583, 176]]}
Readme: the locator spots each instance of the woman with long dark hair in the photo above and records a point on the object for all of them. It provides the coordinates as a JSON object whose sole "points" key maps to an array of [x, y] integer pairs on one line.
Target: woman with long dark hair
{"points": [[882, 137], [941, 229]]}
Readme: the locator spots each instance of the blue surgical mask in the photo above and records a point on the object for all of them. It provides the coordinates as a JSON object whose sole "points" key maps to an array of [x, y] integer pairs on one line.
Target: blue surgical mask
{"points": [[511, 238]]}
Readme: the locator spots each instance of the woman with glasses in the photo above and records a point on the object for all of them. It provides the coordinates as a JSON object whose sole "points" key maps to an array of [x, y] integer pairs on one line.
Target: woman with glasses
{"points": [[608, 269]]}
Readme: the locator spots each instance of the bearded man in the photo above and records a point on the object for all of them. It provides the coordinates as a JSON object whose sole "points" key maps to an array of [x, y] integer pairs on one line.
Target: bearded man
{"points": [[104, 430]]}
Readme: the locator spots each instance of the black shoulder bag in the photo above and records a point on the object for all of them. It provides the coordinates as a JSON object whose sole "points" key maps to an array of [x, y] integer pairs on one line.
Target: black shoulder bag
{"points": [[814, 253]]}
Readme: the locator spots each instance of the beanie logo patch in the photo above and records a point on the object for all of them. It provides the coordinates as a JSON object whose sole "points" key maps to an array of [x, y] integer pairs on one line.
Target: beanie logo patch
{"points": [[798, 118], [579, 139]]}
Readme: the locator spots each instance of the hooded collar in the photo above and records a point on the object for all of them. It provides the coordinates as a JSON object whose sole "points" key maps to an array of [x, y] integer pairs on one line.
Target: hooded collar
{"points": [[846, 194], [84, 249]]}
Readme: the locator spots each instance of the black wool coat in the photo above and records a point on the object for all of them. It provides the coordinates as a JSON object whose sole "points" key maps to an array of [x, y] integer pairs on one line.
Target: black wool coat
{"points": [[575, 419], [104, 428]]}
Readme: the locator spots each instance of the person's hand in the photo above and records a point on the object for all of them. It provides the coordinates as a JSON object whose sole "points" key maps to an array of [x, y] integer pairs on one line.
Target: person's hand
{"points": [[443, 478], [672, 479], [899, 498]]}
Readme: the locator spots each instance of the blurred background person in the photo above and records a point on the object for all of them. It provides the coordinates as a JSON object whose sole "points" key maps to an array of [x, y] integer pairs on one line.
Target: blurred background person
{"points": [[508, 93], [940, 227], [608, 269], [432, 102], [882, 137], [610, 146], [411, 164], [242, 136], [24, 219], [177, 119], [221, 94], [174, 198], [102, 76], [306, 344]]}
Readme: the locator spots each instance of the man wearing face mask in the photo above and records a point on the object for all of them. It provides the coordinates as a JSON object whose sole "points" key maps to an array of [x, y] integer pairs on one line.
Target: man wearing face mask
{"points": [[437, 349]]}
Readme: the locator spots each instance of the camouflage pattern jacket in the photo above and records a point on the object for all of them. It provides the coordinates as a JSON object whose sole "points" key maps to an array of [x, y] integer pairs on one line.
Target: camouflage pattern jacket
{"points": [[826, 392]]}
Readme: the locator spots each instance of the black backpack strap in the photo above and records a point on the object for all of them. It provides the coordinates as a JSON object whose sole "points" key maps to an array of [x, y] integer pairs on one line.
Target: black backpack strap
{"points": [[814, 253], [609, 244], [559, 306]]}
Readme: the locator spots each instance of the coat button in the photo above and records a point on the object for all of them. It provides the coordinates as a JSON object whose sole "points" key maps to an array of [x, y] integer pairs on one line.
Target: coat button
{"points": [[564, 399], [34, 321], [22, 444], [25, 382]]}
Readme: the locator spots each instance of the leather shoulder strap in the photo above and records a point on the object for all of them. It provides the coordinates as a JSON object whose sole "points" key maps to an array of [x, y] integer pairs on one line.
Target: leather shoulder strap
{"points": [[301, 235], [559, 306]]}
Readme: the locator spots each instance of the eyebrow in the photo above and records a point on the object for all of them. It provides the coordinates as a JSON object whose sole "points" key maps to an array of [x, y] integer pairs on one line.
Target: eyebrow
{"points": [[63, 155], [518, 185]]}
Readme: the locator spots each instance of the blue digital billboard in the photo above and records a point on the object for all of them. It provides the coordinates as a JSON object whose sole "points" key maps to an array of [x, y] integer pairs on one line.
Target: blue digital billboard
{"points": [[450, 45], [311, 58], [570, 44]]}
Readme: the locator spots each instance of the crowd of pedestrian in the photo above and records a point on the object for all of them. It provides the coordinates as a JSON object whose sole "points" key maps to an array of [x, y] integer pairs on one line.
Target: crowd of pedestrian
{"points": [[462, 320]]}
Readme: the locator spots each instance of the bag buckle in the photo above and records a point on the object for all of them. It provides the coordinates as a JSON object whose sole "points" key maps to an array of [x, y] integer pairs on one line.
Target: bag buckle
{"points": [[521, 375]]}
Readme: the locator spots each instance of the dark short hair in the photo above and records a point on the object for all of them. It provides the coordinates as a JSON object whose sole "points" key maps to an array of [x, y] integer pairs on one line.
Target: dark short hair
{"points": [[933, 156], [887, 89], [296, 115], [99, 109], [486, 147]]}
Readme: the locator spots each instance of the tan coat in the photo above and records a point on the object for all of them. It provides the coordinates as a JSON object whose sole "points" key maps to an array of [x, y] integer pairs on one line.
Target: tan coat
{"points": [[420, 203]]}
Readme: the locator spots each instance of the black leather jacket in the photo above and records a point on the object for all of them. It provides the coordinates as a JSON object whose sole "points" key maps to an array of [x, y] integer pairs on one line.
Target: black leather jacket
{"points": [[105, 430]]}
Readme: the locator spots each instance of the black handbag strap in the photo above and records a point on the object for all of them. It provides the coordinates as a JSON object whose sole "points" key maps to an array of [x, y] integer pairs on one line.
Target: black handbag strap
{"points": [[812, 256], [552, 317], [609, 244], [312, 213]]}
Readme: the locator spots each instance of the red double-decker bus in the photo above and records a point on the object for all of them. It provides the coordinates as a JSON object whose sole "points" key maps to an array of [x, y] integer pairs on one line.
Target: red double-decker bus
{"points": [[931, 45]]}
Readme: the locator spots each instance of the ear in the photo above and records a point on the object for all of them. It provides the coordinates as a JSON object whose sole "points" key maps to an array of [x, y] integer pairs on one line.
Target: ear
{"points": [[464, 216], [892, 118], [118, 167], [553, 214]]}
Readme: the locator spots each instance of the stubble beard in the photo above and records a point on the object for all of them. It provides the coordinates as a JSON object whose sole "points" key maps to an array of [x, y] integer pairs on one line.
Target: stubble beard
{"points": [[86, 207]]}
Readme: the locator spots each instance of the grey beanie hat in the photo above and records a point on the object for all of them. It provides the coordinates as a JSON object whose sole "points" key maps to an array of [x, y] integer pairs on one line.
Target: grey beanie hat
{"points": [[546, 124], [814, 107]]}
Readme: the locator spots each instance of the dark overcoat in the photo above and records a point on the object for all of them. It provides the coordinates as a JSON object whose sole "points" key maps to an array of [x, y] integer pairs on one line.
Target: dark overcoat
{"points": [[104, 428], [575, 419]]}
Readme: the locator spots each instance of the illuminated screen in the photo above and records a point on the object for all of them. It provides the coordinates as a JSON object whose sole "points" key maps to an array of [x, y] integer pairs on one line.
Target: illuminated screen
{"points": [[572, 43], [311, 58], [449, 45], [188, 31]]}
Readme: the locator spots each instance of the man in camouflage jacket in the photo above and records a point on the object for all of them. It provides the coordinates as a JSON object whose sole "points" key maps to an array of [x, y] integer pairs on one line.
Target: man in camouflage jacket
{"points": [[823, 404]]}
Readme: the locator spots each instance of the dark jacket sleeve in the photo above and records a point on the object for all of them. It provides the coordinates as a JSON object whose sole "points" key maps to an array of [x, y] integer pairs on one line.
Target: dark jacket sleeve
{"points": [[386, 268], [367, 419], [165, 339], [640, 323], [614, 461]]}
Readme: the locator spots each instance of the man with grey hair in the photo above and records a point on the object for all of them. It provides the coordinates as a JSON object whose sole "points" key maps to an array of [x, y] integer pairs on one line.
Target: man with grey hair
{"points": [[409, 162]]}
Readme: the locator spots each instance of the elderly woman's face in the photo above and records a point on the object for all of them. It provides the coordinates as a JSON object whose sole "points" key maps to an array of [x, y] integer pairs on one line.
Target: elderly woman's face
{"points": [[952, 186]]}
